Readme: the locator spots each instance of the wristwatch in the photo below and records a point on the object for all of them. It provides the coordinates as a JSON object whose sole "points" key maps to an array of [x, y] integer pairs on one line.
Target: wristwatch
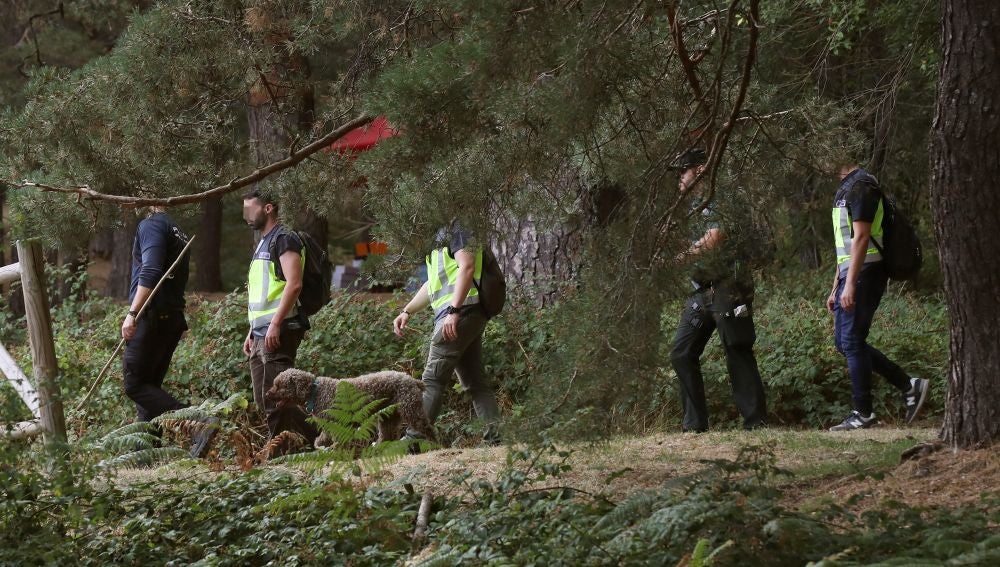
{"points": [[453, 310]]}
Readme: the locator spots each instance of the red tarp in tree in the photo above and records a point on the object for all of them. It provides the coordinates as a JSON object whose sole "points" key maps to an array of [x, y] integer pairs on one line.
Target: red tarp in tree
{"points": [[364, 138]]}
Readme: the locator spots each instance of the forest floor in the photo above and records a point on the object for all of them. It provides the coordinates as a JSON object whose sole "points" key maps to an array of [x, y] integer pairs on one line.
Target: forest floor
{"points": [[824, 466]]}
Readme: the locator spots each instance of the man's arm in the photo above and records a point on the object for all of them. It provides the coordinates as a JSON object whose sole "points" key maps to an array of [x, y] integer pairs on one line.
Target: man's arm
{"points": [[153, 248], [291, 267], [463, 283], [709, 241], [420, 300], [833, 291], [859, 249]]}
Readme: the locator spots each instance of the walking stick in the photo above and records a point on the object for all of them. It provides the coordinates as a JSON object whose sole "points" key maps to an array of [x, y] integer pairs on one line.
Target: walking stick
{"points": [[142, 310]]}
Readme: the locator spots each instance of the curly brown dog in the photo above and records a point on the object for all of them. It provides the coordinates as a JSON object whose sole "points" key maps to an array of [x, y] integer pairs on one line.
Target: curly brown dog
{"points": [[294, 386]]}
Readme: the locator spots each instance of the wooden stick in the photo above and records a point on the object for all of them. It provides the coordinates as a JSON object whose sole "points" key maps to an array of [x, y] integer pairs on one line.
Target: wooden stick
{"points": [[423, 515], [142, 310]]}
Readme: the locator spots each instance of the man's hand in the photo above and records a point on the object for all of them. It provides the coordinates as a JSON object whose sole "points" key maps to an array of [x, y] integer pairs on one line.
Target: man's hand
{"points": [[831, 300], [847, 296], [128, 327], [272, 340], [248, 345], [399, 323], [450, 327]]}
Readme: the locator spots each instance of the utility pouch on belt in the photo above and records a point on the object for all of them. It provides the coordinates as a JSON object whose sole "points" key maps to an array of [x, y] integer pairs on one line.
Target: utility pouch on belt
{"points": [[696, 314]]}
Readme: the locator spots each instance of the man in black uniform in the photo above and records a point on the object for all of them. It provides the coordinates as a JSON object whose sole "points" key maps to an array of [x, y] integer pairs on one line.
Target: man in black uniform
{"points": [[723, 299], [151, 340]]}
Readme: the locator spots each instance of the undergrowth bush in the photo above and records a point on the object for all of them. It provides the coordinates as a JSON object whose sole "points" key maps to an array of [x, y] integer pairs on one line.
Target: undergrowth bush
{"points": [[526, 517], [805, 378]]}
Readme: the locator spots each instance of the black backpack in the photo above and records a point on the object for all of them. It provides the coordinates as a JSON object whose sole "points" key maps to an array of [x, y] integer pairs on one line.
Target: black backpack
{"points": [[492, 286], [317, 274], [900, 248]]}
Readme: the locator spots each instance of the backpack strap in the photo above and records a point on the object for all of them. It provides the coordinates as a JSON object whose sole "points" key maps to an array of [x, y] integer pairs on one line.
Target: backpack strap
{"points": [[272, 248]]}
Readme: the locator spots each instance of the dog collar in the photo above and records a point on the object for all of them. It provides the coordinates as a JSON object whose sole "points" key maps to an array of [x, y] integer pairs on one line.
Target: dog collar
{"points": [[311, 402]]}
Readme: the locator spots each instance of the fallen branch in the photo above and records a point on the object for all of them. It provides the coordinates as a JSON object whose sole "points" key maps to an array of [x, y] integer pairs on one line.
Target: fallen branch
{"points": [[22, 430], [423, 515], [85, 192]]}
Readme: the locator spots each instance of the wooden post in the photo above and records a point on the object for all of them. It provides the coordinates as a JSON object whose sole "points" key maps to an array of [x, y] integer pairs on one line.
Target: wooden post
{"points": [[43, 350]]}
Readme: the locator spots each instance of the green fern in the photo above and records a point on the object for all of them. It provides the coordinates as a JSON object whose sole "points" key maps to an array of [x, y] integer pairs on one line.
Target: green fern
{"points": [[137, 427], [351, 422], [127, 443], [353, 417], [147, 458], [701, 557]]}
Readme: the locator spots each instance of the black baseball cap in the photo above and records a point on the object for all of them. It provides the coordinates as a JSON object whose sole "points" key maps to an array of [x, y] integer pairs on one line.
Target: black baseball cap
{"points": [[689, 159]]}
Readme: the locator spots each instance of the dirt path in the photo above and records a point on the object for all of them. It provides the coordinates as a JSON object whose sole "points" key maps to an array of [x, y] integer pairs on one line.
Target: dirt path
{"points": [[826, 466]]}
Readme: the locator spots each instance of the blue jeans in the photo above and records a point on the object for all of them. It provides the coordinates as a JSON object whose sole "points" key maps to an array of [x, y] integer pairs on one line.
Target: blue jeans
{"points": [[850, 335]]}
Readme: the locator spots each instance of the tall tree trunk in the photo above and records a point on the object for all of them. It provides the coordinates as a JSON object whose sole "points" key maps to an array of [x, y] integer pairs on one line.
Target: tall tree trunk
{"points": [[282, 107], [120, 275], [965, 164], [207, 253]]}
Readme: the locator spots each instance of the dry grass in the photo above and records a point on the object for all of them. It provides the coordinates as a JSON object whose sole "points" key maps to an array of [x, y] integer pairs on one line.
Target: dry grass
{"points": [[827, 467]]}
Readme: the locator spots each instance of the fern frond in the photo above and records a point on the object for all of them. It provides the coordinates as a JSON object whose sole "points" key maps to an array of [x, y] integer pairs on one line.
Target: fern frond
{"points": [[146, 458], [128, 443], [245, 457], [339, 459], [192, 413], [186, 428], [137, 427], [282, 443], [353, 416], [226, 407]]}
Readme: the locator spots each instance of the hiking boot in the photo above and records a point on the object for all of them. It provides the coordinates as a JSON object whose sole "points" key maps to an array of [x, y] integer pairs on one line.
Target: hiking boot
{"points": [[412, 441], [202, 440], [855, 421], [914, 399]]}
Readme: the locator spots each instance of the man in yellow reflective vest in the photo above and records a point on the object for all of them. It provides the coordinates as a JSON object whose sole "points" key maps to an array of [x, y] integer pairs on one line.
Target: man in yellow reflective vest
{"points": [[276, 325], [858, 285], [459, 321]]}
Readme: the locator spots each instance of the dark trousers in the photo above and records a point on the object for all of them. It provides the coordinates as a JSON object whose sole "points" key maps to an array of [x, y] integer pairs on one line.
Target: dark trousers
{"points": [[147, 359], [264, 366], [851, 338], [699, 320], [464, 357]]}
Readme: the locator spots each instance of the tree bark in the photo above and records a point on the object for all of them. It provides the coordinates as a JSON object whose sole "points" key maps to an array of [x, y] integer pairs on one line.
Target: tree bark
{"points": [[282, 106], [120, 275], [207, 252], [965, 164]]}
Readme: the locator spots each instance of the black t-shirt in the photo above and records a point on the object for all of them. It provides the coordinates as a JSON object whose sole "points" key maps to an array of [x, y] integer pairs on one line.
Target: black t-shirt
{"points": [[158, 242], [859, 192]]}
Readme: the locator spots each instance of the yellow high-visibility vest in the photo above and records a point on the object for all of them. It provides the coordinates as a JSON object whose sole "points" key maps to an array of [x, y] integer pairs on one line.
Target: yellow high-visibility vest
{"points": [[843, 234], [264, 288], [442, 274]]}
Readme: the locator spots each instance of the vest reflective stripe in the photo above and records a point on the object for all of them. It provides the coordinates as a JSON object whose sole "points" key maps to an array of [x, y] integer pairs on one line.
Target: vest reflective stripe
{"points": [[843, 231], [442, 275], [264, 289]]}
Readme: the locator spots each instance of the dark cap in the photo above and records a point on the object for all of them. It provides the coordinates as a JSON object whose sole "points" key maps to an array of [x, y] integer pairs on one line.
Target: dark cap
{"points": [[689, 159]]}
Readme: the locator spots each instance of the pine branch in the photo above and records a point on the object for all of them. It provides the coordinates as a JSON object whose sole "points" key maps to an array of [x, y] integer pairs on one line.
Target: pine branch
{"points": [[86, 192]]}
